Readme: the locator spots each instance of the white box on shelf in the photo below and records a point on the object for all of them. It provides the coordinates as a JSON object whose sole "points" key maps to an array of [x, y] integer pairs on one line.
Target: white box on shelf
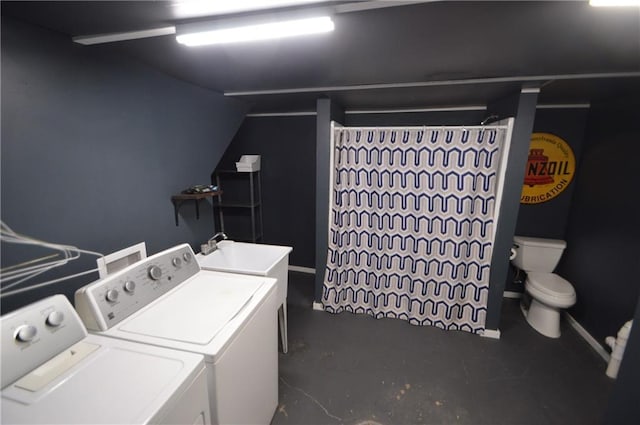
{"points": [[248, 163]]}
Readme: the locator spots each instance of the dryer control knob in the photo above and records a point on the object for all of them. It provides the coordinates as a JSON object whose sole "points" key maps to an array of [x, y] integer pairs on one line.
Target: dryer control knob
{"points": [[129, 286], [55, 318], [187, 257], [177, 262], [112, 295], [155, 272], [26, 333]]}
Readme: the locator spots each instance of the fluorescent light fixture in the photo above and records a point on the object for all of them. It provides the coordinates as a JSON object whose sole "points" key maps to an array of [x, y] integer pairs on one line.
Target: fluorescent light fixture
{"points": [[265, 31], [614, 3]]}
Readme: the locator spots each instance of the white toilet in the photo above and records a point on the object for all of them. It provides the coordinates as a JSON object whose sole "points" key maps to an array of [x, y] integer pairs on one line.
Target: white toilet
{"points": [[549, 292]]}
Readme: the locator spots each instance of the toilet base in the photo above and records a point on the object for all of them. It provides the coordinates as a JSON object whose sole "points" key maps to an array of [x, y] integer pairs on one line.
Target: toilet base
{"points": [[544, 319]]}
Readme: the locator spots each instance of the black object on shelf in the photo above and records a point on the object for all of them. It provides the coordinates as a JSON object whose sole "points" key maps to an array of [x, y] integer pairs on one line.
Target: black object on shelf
{"points": [[178, 200], [232, 206], [200, 188]]}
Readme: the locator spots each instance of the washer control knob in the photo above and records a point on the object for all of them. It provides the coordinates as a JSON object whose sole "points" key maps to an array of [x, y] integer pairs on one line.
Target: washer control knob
{"points": [[129, 286], [112, 295], [155, 272], [26, 333], [187, 257], [55, 319], [177, 262]]}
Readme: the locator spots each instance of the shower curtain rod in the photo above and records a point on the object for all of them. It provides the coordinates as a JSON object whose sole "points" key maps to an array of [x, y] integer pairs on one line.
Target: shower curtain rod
{"points": [[439, 127]]}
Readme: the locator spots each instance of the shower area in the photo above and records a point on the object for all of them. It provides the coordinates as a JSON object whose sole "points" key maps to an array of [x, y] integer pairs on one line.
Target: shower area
{"points": [[411, 222]]}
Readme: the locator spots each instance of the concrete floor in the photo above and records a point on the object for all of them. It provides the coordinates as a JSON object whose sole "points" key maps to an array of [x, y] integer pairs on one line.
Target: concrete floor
{"points": [[354, 369]]}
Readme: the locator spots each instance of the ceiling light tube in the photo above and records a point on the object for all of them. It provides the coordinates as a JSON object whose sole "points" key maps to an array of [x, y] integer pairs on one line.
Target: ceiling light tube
{"points": [[264, 31]]}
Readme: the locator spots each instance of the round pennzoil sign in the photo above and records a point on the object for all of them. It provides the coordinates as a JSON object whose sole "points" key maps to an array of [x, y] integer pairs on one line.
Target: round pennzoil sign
{"points": [[550, 168]]}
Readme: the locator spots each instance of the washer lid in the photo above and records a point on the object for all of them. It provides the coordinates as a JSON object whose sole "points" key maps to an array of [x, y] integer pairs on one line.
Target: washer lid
{"points": [[551, 284], [196, 311]]}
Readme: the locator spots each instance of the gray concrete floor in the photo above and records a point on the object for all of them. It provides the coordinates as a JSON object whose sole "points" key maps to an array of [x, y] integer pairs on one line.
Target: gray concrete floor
{"points": [[354, 369]]}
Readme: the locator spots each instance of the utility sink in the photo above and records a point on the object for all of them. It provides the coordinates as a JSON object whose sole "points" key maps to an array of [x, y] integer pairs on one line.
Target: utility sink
{"points": [[245, 258], [258, 260]]}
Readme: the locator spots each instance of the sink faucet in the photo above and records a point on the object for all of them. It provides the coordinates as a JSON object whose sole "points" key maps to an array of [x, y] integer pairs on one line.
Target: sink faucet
{"points": [[219, 235], [212, 244]]}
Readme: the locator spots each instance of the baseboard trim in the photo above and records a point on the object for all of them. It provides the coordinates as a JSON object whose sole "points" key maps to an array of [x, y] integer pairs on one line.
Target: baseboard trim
{"points": [[512, 294], [495, 333], [301, 269], [588, 337], [574, 324], [491, 333]]}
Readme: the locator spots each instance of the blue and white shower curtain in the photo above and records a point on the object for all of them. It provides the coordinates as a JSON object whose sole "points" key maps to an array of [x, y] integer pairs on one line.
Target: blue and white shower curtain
{"points": [[410, 223]]}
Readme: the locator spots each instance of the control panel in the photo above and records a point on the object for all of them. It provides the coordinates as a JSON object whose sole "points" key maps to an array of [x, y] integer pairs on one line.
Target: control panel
{"points": [[106, 302], [36, 333]]}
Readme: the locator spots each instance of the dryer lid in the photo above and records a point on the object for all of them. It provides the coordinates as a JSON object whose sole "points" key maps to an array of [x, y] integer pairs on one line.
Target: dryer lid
{"points": [[120, 382], [551, 284]]}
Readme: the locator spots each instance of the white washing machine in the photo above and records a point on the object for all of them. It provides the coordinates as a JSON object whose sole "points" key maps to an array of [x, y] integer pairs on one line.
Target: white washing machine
{"points": [[166, 300], [54, 373]]}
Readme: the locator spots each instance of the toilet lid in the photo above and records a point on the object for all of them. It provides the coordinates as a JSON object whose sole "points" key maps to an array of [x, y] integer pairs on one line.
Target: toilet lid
{"points": [[551, 284]]}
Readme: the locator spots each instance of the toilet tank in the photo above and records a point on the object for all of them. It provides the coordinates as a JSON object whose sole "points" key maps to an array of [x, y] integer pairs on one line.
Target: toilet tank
{"points": [[537, 254]]}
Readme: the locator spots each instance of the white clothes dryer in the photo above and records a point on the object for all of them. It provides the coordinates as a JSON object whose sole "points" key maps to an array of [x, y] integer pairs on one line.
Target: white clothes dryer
{"points": [[53, 372], [166, 300]]}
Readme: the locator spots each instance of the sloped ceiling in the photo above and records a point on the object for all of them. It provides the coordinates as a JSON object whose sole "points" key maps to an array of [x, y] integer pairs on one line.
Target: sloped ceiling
{"points": [[427, 54]]}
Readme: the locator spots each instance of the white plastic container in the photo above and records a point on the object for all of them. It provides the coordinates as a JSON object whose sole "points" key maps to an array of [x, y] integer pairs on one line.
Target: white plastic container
{"points": [[618, 346], [248, 163]]}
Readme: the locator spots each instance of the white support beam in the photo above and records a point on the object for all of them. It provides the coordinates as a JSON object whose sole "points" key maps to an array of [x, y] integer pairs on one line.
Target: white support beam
{"points": [[437, 83], [122, 36]]}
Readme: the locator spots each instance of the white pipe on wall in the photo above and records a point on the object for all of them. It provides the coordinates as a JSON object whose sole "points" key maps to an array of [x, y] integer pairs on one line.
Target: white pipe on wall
{"points": [[617, 346]]}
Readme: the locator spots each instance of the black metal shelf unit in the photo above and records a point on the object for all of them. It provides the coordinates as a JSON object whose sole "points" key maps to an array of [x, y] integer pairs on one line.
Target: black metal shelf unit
{"points": [[236, 200]]}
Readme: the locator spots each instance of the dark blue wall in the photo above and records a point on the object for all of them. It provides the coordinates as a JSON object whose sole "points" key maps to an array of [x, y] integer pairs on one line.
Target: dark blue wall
{"points": [[288, 169], [94, 145], [602, 235], [602, 255]]}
